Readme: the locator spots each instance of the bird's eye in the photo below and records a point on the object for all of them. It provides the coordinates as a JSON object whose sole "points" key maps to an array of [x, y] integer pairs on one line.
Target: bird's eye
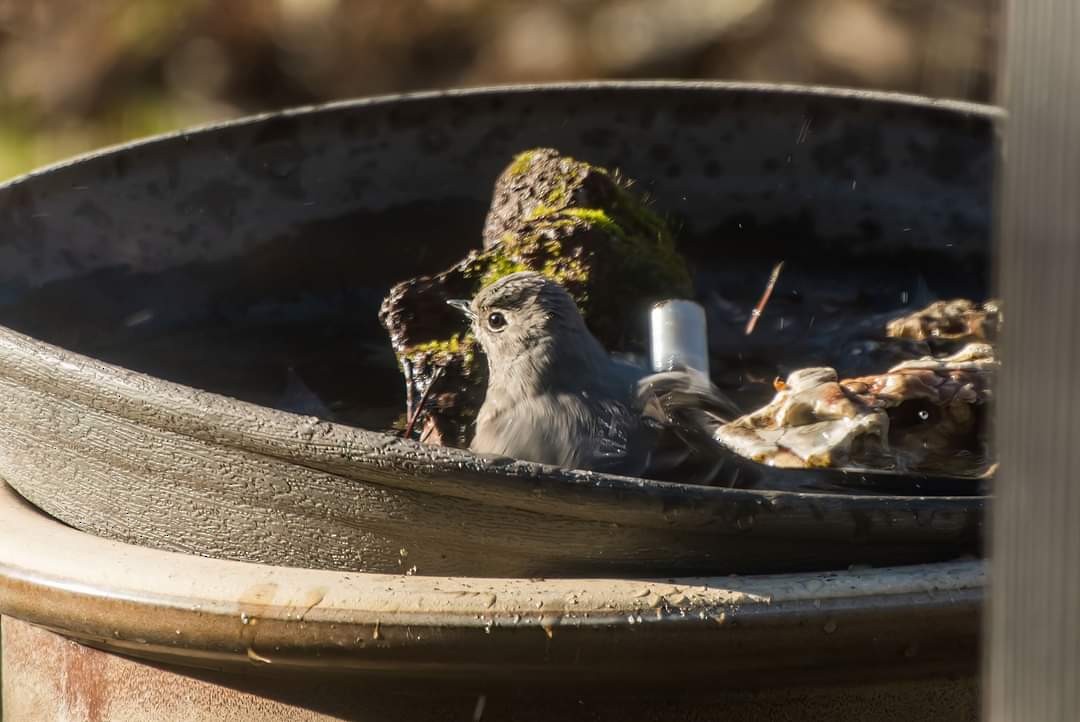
{"points": [[496, 321]]}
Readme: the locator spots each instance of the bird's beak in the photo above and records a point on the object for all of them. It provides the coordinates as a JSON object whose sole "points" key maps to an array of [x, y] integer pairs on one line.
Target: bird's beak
{"points": [[464, 306]]}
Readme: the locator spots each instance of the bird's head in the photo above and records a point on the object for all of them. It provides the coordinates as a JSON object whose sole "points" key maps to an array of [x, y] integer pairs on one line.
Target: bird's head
{"points": [[526, 316]]}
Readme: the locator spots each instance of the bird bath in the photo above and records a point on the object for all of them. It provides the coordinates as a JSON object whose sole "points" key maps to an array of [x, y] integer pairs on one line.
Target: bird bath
{"points": [[157, 295]]}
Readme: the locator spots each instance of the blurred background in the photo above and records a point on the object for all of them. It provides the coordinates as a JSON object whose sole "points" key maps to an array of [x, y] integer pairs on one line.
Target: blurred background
{"points": [[80, 74]]}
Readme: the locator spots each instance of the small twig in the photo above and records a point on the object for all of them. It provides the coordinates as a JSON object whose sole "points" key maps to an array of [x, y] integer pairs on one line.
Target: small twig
{"points": [[427, 432], [423, 401], [760, 308]]}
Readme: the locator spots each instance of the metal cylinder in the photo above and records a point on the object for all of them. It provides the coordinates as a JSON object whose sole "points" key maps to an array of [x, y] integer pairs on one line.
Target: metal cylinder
{"points": [[679, 336]]}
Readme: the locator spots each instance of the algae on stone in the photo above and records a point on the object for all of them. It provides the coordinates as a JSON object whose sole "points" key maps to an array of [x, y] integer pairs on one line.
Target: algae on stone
{"points": [[572, 221]]}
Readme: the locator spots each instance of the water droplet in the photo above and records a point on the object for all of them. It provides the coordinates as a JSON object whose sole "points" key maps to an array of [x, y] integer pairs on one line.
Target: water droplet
{"points": [[830, 626], [139, 318], [924, 414]]}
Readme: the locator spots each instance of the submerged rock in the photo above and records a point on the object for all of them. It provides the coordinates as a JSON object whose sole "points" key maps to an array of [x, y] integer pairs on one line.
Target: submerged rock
{"points": [[926, 416], [576, 223]]}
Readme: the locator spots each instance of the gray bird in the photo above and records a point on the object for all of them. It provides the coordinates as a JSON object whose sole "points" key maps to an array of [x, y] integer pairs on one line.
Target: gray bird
{"points": [[555, 396]]}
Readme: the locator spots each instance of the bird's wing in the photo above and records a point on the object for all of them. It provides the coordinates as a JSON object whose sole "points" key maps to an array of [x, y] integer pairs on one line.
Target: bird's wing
{"points": [[618, 441], [686, 408], [684, 396]]}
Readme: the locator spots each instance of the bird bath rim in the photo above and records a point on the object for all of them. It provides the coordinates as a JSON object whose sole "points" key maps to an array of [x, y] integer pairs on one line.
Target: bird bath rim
{"points": [[829, 92], [220, 614]]}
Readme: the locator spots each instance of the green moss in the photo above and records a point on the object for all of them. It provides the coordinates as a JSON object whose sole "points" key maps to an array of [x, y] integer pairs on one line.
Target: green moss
{"points": [[441, 351], [539, 211], [598, 218], [500, 265], [650, 249], [451, 345], [556, 198], [521, 163], [645, 251], [569, 272], [644, 245], [533, 249], [643, 218]]}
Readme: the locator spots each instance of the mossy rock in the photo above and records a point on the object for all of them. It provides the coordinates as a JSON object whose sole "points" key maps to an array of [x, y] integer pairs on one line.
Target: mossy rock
{"points": [[579, 224]]}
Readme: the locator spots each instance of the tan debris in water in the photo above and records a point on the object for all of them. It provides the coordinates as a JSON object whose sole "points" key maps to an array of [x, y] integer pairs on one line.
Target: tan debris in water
{"points": [[926, 415], [958, 320]]}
